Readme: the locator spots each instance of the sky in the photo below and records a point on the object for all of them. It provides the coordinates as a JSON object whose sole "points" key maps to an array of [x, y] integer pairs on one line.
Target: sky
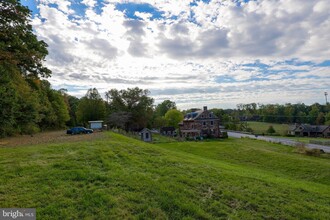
{"points": [[215, 53]]}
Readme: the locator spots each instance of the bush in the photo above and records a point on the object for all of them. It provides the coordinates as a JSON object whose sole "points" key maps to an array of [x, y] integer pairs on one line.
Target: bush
{"points": [[30, 129], [301, 148], [224, 134], [7, 131], [271, 130]]}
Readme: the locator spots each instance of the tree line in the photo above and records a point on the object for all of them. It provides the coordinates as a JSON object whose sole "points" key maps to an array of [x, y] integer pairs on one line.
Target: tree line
{"points": [[27, 102], [129, 109], [300, 113]]}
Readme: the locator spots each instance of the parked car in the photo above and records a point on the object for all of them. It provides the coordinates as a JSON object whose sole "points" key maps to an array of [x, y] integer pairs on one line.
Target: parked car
{"points": [[79, 130]]}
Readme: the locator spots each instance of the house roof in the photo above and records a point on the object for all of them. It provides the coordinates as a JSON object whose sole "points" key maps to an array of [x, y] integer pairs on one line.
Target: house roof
{"points": [[192, 115], [309, 128], [293, 127], [145, 130]]}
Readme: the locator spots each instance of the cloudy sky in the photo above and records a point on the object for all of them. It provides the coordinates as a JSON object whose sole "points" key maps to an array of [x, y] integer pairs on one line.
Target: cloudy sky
{"points": [[217, 53]]}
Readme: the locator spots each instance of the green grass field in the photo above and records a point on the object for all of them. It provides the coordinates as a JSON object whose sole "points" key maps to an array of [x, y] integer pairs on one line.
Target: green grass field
{"points": [[261, 127], [117, 177]]}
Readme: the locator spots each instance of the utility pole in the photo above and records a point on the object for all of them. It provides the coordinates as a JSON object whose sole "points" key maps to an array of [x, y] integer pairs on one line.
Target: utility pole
{"points": [[326, 99]]}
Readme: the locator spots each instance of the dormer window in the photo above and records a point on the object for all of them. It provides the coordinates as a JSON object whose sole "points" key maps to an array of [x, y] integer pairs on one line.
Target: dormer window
{"points": [[210, 115]]}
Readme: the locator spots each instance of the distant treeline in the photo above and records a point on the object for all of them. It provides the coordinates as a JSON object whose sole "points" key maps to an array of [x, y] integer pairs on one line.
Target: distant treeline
{"points": [[316, 114]]}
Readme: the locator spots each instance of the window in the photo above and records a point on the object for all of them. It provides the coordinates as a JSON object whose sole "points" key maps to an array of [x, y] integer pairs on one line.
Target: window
{"points": [[147, 135], [211, 122], [210, 115], [204, 123]]}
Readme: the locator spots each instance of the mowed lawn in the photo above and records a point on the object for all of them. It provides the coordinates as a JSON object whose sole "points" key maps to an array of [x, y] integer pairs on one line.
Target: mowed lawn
{"points": [[262, 127], [117, 177]]}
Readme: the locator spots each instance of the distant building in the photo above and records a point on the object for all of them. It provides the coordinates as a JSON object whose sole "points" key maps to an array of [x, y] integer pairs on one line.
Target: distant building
{"points": [[202, 123], [146, 135], [306, 130], [168, 131], [96, 125]]}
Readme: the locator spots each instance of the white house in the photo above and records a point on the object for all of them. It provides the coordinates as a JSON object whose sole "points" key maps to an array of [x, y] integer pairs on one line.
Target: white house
{"points": [[96, 125]]}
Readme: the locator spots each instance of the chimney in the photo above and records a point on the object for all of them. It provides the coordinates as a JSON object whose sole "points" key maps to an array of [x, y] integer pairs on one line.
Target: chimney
{"points": [[205, 108]]}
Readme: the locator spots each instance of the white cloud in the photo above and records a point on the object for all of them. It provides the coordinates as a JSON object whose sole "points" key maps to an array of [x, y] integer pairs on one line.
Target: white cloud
{"points": [[89, 3], [198, 56], [63, 5]]}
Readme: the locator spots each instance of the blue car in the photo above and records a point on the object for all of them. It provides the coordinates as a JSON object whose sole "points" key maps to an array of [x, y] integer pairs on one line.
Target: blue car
{"points": [[79, 130]]}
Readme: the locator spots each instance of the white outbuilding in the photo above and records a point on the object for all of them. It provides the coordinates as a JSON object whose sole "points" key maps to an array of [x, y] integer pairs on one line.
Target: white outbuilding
{"points": [[96, 125], [146, 135]]}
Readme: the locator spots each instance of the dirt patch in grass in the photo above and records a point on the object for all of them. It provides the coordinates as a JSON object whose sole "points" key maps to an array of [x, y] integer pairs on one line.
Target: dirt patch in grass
{"points": [[47, 138]]}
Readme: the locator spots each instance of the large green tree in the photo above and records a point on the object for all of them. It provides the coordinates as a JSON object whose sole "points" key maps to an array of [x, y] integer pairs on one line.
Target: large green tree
{"points": [[164, 106], [19, 46], [91, 107], [173, 117], [27, 101], [133, 101]]}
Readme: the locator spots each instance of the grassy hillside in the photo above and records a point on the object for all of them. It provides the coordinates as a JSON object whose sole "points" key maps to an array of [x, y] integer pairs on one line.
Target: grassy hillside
{"points": [[261, 127], [122, 178]]}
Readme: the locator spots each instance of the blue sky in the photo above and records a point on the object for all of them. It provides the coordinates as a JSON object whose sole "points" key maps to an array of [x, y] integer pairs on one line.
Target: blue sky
{"points": [[196, 53]]}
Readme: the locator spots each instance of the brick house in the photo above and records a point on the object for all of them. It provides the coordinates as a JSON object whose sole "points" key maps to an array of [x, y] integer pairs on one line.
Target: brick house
{"points": [[200, 123]]}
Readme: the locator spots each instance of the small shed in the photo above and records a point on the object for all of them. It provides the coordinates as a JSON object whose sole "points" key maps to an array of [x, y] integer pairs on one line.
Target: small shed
{"points": [[96, 125], [146, 135]]}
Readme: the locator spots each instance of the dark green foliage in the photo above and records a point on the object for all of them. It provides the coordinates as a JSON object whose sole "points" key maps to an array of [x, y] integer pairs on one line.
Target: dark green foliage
{"points": [[224, 134], [91, 107], [18, 44], [271, 130], [27, 103], [164, 107], [19, 102], [134, 101], [8, 105], [73, 103]]}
